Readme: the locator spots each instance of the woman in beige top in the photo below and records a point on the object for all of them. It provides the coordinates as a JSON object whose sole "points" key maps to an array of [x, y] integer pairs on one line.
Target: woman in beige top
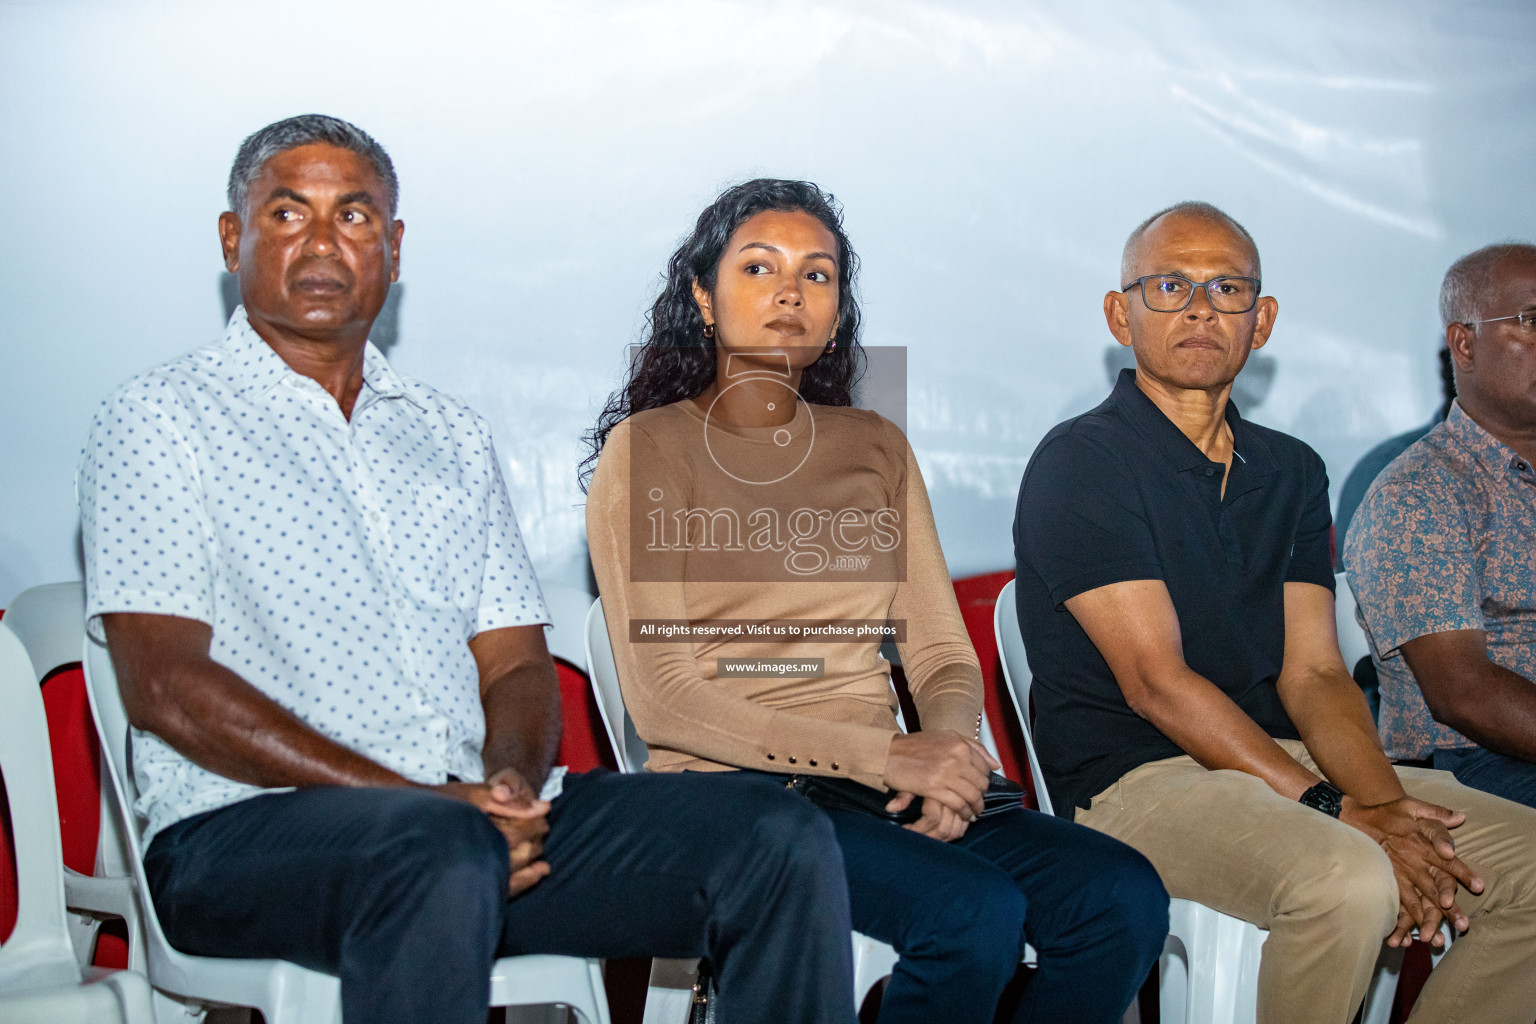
{"points": [[754, 538]]}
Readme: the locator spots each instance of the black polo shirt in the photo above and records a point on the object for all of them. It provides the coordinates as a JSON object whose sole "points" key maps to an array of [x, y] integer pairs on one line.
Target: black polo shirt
{"points": [[1120, 494]]}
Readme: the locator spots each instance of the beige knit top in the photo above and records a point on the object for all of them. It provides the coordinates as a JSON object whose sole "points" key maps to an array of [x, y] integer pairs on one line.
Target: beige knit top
{"points": [[795, 542]]}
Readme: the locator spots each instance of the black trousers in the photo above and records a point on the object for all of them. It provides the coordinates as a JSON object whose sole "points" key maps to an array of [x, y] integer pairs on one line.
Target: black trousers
{"points": [[402, 893]]}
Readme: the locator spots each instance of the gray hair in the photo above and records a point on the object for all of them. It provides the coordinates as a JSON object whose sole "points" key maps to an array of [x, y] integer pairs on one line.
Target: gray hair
{"points": [[1466, 283], [304, 130], [1188, 208]]}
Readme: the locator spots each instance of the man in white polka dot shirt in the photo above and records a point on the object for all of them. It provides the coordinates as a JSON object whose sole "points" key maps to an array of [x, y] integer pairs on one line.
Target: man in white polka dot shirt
{"points": [[330, 644]]}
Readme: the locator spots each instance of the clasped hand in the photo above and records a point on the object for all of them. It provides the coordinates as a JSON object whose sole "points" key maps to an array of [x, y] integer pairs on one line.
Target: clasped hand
{"points": [[514, 808], [948, 770], [1416, 837]]}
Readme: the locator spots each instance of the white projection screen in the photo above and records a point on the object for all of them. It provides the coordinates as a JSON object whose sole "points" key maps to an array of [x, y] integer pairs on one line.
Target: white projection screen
{"points": [[991, 157]]}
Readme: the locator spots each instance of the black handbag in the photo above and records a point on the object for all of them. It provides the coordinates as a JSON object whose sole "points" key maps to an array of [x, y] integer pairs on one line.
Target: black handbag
{"points": [[1003, 794], [702, 1009], [846, 795]]}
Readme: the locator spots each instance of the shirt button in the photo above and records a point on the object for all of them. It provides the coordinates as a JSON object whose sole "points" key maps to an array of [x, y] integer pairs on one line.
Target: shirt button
{"points": [[1520, 465], [1210, 471]]}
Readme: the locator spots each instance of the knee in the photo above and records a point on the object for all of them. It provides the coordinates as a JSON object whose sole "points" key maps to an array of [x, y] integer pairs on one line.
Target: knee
{"points": [[1351, 885], [797, 837], [432, 841], [974, 923], [1133, 904]]}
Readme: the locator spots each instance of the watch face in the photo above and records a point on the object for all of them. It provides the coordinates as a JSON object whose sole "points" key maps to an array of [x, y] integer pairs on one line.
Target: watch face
{"points": [[1325, 797]]}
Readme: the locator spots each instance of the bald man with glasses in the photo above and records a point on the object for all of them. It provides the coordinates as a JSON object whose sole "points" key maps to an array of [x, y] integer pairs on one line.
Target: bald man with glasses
{"points": [[1175, 593]]}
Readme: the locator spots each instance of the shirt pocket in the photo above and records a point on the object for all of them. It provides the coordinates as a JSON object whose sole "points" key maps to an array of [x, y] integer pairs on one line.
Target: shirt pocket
{"points": [[443, 547]]}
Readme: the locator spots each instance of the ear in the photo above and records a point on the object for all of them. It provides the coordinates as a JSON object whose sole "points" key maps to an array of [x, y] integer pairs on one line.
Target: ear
{"points": [[1269, 308], [1118, 315], [229, 241], [396, 230], [1459, 339], [706, 304]]}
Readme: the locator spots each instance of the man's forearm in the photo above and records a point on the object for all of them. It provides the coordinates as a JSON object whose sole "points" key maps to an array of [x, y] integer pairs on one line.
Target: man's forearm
{"points": [[1209, 726], [1496, 709], [1330, 713], [522, 722], [1485, 702], [216, 719]]}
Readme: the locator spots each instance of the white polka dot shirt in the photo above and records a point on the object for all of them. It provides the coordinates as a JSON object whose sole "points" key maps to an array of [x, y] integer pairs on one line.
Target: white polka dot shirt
{"points": [[342, 565]]}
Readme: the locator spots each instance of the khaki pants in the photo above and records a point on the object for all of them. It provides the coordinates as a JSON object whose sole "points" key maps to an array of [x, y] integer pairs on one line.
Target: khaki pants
{"points": [[1326, 892]]}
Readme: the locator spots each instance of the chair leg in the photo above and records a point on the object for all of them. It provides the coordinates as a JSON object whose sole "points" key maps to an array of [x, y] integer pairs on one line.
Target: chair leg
{"points": [[670, 995]]}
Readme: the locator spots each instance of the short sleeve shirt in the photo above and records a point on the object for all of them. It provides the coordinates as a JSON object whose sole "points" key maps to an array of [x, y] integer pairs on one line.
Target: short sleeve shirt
{"points": [[1121, 494], [343, 565], [1445, 540]]}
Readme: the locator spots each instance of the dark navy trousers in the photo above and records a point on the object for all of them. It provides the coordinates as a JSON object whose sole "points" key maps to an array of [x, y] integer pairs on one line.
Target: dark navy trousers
{"points": [[959, 914], [1493, 773], [402, 893]]}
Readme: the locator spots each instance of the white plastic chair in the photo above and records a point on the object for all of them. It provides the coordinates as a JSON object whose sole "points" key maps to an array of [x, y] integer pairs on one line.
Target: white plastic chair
{"points": [[41, 982], [1209, 970], [566, 636], [49, 620], [286, 993]]}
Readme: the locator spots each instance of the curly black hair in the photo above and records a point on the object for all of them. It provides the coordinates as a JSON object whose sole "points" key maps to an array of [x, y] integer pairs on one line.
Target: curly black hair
{"points": [[676, 361]]}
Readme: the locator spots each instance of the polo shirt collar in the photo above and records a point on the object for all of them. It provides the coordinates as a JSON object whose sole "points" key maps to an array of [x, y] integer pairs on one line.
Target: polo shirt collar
{"points": [[259, 369], [1252, 452], [1496, 457]]}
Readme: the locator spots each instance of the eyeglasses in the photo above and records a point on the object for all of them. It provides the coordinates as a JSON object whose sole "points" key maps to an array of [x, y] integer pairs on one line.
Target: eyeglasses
{"points": [[1170, 293], [1526, 320]]}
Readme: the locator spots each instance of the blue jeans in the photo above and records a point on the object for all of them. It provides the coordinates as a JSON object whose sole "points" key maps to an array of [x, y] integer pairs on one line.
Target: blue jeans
{"points": [[1493, 773], [403, 893], [959, 914]]}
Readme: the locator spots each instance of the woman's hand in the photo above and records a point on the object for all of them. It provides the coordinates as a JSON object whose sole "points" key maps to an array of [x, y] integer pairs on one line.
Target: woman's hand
{"points": [[945, 769], [937, 820]]}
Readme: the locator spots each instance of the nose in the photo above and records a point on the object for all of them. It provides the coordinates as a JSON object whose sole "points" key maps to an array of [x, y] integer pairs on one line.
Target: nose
{"points": [[1200, 307], [321, 237], [790, 294]]}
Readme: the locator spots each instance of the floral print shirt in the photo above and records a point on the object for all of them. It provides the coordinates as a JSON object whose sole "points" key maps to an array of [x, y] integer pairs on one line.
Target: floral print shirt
{"points": [[1445, 540]]}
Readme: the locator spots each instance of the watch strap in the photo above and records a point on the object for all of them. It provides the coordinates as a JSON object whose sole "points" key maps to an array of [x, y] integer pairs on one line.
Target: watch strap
{"points": [[1324, 797]]}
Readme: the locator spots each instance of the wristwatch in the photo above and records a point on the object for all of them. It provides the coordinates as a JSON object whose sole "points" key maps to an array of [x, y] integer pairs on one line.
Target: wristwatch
{"points": [[1325, 797]]}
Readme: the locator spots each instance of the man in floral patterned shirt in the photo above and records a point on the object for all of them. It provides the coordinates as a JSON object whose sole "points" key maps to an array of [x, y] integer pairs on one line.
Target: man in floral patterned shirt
{"points": [[1442, 556]]}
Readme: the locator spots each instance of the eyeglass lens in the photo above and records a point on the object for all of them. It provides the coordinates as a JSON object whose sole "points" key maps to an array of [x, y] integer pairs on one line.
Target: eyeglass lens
{"points": [[1169, 294]]}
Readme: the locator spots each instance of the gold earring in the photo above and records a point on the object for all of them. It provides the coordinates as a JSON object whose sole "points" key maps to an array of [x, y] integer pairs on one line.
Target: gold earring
{"points": [[709, 331]]}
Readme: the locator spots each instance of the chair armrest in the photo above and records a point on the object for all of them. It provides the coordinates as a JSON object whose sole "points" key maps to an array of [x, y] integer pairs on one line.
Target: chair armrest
{"points": [[100, 897]]}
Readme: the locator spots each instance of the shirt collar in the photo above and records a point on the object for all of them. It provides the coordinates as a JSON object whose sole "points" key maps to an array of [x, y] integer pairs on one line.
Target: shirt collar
{"points": [[1494, 455], [1251, 450], [260, 369]]}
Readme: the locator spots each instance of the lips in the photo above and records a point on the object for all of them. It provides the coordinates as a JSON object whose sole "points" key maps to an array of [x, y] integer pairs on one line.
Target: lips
{"points": [[786, 325], [320, 284], [1198, 341]]}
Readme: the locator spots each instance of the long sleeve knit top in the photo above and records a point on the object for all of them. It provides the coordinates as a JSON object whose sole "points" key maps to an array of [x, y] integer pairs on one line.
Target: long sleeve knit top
{"points": [[823, 521]]}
